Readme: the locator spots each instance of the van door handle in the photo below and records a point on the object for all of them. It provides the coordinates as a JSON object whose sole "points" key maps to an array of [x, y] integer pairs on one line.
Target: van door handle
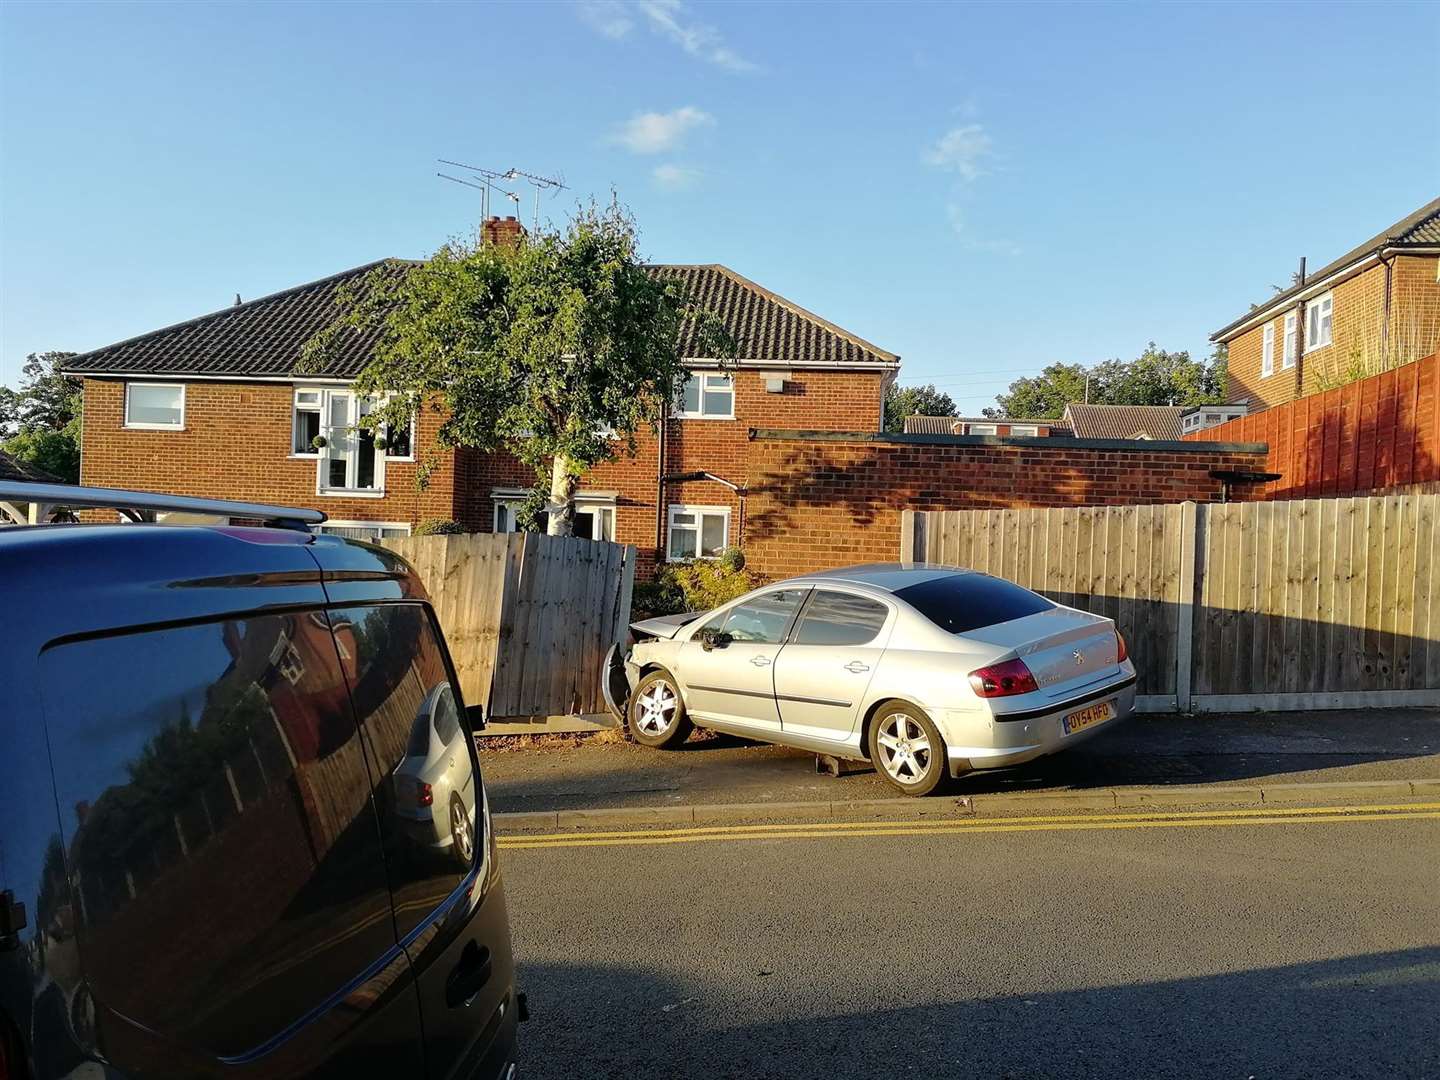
{"points": [[856, 666], [470, 975], [760, 661]]}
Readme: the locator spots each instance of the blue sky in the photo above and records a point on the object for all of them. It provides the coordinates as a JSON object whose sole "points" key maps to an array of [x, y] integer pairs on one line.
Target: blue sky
{"points": [[982, 189]]}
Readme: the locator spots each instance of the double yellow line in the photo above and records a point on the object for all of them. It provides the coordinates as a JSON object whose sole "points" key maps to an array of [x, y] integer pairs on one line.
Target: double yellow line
{"points": [[829, 830]]}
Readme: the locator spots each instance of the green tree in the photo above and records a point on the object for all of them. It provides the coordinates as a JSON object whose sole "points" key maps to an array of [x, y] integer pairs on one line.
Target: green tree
{"points": [[1043, 396], [40, 421], [1155, 377], [559, 348], [903, 401]]}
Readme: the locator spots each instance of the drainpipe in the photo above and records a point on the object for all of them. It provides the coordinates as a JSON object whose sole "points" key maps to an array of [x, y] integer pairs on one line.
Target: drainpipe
{"points": [[1300, 336], [1385, 312], [660, 492]]}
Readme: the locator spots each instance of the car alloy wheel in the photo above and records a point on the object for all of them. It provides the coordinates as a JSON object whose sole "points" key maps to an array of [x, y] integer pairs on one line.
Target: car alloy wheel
{"points": [[905, 751], [655, 708], [461, 831]]}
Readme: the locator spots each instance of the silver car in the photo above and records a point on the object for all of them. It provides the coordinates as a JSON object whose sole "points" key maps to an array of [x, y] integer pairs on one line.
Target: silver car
{"points": [[434, 784], [926, 671]]}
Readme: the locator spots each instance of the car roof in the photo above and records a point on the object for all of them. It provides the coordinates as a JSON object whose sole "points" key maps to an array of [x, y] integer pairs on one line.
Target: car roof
{"points": [[60, 580], [887, 577]]}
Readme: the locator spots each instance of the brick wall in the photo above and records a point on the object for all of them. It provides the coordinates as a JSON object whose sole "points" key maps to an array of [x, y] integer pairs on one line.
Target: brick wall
{"points": [[1359, 334], [815, 400], [815, 503], [236, 445], [1374, 434]]}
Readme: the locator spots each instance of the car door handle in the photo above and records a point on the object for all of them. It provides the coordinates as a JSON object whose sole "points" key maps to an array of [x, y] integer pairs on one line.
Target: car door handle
{"points": [[760, 661], [470, 975], [857, 667]]}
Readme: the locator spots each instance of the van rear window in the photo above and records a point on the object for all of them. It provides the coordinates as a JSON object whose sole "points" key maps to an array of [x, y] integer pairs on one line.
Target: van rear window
{"points": [[963, 602]]}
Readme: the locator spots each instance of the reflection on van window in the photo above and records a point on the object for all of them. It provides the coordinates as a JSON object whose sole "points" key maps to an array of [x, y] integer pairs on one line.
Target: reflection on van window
{"points": [[429, 784], [215, 771]]}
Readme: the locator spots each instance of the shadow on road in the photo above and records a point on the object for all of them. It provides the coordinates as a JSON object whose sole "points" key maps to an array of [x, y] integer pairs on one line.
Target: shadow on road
{"points": [[1376, 1015]]}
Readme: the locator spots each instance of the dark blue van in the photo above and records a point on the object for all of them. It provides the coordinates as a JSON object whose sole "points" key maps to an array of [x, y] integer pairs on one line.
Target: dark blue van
{"points": [[243, 830]]}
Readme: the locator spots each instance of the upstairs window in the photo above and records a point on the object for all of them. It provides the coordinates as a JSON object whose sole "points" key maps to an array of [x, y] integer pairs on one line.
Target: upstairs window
{"points": [[155, 406], [1267, 351], [306, 426], [1319, 314], [1025, 431], [1292, 340], [707, 396], [982, 429]]}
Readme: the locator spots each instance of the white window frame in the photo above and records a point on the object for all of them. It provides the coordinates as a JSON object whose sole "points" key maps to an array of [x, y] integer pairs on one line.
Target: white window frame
{"points": [[1320, 317], [703, 378], [699, 527], [504, 503], [321, 408], [338, 523], [1025, 431], [982, 429], [1292, 341], [295, 412], [1267, 350], [139, 425]]}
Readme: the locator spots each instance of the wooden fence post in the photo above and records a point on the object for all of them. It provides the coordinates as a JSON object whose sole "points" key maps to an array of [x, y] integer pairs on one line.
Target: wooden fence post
{"points": [[1191, 522]]}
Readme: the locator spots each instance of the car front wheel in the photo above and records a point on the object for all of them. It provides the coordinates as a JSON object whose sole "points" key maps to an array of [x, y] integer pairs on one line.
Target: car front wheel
{"points": [[657, 715], [907, 750]]}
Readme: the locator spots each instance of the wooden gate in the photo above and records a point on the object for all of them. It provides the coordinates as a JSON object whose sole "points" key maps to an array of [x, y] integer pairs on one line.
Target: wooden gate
{"points": [[528, 617]]}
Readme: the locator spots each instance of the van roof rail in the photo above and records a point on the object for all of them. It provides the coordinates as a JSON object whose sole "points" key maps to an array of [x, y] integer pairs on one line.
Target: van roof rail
{"points": [[134, 504]]}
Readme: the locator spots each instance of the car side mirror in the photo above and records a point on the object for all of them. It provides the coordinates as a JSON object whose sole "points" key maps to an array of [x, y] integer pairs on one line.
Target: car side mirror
{"points": [[475, 717], [714, 639]]}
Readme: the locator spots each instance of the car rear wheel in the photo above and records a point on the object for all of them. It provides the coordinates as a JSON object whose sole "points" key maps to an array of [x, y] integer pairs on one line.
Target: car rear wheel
{"points": [[657, 715], [907, 750], [462, 833]]}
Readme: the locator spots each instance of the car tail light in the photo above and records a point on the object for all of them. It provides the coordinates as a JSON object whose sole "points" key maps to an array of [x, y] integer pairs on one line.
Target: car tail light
{"points": [[1003, 680], [1121, 652], [423, 795]]}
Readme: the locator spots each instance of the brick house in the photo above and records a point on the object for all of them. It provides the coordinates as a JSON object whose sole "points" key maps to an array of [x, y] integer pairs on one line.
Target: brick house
{"points": [[214, 407], [985, 425], [1374, 308]]}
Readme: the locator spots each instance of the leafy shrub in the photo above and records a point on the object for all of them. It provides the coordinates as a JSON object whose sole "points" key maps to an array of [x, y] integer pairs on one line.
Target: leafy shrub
{"points": [[437, 527], [732, 558]]}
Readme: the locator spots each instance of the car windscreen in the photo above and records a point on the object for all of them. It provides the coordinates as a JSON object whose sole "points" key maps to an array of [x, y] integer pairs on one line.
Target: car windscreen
{"points": [[959, 603]]}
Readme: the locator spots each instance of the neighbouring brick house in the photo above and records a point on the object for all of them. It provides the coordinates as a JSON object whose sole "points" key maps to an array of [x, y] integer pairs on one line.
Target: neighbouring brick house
{"points": [[1375, 307], [984, 425], [214, 407]]}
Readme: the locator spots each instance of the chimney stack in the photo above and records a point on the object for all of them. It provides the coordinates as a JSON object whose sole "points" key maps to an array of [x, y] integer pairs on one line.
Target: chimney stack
{"points": [[501, 232]]}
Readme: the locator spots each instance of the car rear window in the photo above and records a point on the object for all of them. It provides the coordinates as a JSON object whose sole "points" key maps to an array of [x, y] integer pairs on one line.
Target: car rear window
{"points": [[963, 602]]}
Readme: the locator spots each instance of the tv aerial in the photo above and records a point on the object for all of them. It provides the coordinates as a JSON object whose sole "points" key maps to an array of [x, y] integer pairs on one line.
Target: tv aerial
{"points": [[493, 180]]}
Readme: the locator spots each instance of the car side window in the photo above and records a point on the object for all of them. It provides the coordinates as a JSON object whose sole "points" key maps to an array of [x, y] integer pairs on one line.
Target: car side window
{"points": [[217, 824], [427, 782], [764, 619], [837, 618]]}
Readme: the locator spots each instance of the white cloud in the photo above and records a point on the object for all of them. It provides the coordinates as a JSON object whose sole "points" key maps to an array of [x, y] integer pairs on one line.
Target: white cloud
{"points": [[673, 177], [610, 18], [655, 133], [964, 150], [961, 228], [669, 19]]}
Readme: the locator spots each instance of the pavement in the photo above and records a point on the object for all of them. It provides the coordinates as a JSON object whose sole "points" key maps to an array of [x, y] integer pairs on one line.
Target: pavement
{"points": [[1261, 944], [1236, 759]]}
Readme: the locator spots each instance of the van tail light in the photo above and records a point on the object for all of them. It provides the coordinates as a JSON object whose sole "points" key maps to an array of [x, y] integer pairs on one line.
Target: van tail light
{"points": [[1003, 680], [423, 795], [1121, 652]]}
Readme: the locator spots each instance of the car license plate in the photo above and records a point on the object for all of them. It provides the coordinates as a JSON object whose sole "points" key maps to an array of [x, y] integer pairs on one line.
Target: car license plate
{"points": [[1095, 714]]}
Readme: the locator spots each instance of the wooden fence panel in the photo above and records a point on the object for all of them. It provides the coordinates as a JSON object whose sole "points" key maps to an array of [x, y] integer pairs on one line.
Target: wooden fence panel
{"points": [[1305, 603], [528, 618]]}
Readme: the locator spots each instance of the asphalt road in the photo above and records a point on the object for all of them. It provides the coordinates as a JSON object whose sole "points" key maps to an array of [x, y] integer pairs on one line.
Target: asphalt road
{"points": [[1078, 947]]}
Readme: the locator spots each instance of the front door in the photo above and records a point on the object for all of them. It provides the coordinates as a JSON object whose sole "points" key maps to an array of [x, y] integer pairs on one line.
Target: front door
{"points": [[733, 681], [822, 675]]}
